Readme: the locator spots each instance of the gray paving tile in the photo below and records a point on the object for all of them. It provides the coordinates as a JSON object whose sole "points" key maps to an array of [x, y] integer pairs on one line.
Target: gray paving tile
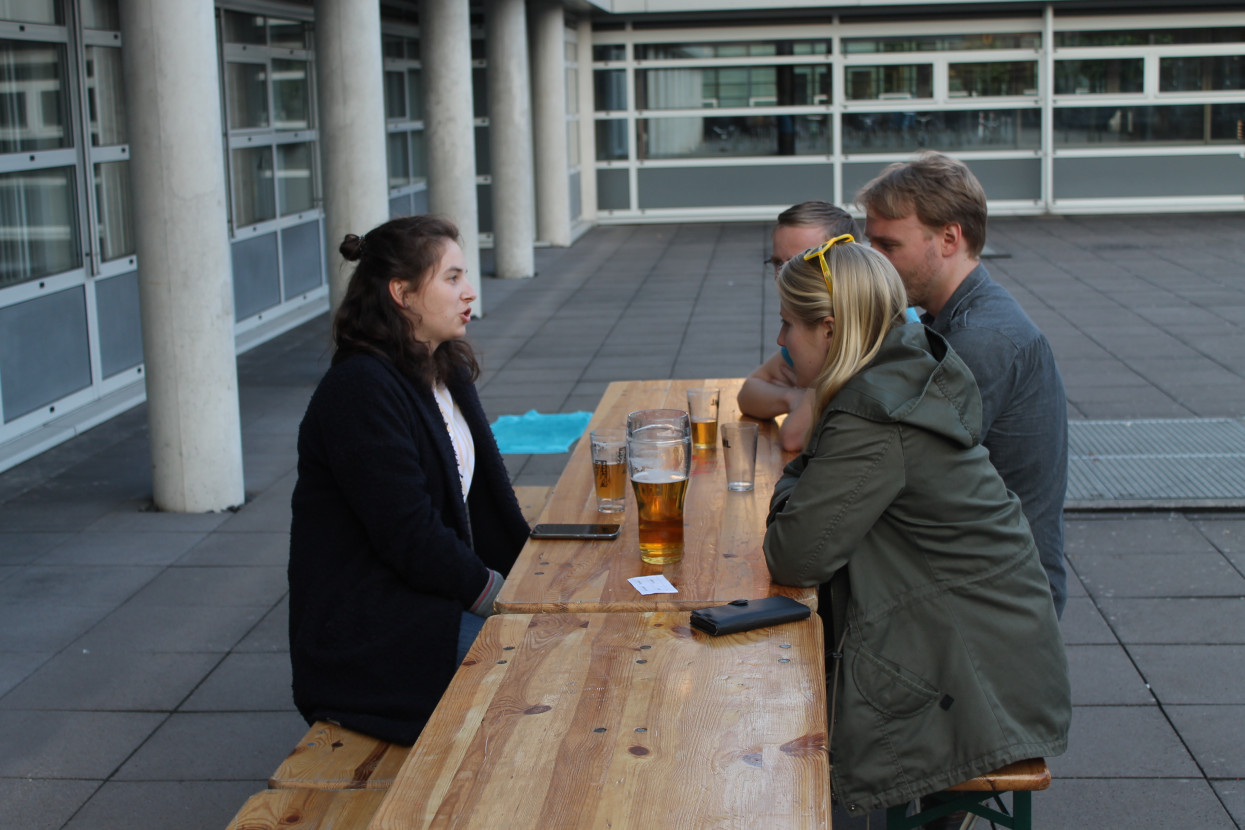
{"points": [[215, 586], [1158, 575], [1129, 804], [76, 584], [16, 666], [215, 746], [1134, 533], [272, 634], [164, 804], [1122, 742], [70, 744], [42, 804], [1185, 673], [38, 626], [270, 511], [113, 681], [1213, 734], [1104, 675], [1180, 620], [24, 548], [1232, 794], [133, 519], [121, 548], [23, 515], [251, 548], [140, 627], [1081, 623], [255, 682], [1227, 535]]}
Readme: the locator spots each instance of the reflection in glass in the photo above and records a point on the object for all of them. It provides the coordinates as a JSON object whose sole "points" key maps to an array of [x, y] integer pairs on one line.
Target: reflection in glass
{"points": [[246, 84], [753, 135], [399, 159], [241, 27], [572, 90], [681, 51], [392, 46], [611, 140], [253, 197], [291, 98], [287, 34], [295, 181], [1185, 124], [31, 11], [1144, 37], [419, 164], [986, 79], [875, 132], [415, 95], [100, 14], [867, 83], [32, 98], [112, 207], [105, 96], [1214, 72], [609, 87], [609, 52], [37, 211], [732, 86], [1098, 77], [942, 43], [395, 95]]}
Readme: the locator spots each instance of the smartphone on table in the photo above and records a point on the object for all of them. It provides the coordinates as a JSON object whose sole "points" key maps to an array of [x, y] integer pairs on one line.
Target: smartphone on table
{"points": [[575, 531]]}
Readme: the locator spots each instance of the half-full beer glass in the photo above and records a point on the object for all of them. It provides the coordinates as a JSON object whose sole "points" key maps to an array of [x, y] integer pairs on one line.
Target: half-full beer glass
{"points": [[659, 457]]}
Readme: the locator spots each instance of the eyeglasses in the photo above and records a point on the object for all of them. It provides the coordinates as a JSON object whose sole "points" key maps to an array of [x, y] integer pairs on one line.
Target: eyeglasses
{"points": [[820, 253]]}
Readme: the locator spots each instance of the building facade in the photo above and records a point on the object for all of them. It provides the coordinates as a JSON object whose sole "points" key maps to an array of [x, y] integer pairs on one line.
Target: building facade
{"points": [[639, 111]]}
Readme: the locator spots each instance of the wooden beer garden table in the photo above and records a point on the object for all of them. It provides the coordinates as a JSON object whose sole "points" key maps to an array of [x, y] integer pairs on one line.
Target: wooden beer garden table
{"points": [[723, 530], [626, 720]]}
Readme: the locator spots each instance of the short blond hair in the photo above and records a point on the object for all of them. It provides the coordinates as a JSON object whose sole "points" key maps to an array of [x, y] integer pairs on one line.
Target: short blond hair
{"points": [[940, 190]]}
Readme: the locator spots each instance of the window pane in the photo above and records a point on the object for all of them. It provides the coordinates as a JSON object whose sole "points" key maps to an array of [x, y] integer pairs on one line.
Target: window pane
{"points": [[105, 95], [731, 86], [32, 97], [610, 52], [958, 130], [38, 224], [611, 140], [399, 160], [392, 46], [986, 79], [572, 143], [246, 84], [241, 27], [112, 205], [691, 51], [1098, 77], [572, 90], [395, 95], [1187, 124], [1142, 37], [766, 135], [609, 87], [253, 196], [865, 83], [287, 34], [100, 14], [415, 95], [1217, 73], [419, 163], [31, 11], [295, 181], [943, 43], [291, 95]]}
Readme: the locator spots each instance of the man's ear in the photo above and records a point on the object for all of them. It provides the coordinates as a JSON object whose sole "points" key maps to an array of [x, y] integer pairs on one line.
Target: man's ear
{"points": [[951, 238], [397, 290]]}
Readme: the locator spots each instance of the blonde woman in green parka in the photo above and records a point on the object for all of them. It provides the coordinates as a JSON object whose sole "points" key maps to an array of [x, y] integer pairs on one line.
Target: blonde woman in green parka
{"points": [[952, 661]]}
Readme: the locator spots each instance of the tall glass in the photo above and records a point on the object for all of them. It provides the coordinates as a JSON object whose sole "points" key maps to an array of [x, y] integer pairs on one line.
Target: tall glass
{"points": [[659, 458]]}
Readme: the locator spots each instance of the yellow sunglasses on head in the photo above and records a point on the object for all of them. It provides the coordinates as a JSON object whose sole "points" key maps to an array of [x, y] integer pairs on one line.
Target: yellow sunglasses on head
{"points": [[820, 253]]}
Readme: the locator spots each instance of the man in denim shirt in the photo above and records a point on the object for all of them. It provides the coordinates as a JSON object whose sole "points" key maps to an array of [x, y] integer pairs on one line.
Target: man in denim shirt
{"points": [[928, 217]]}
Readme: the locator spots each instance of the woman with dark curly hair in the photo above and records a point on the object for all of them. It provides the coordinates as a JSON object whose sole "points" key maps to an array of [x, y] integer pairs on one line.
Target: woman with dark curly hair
{"points": [[404, 519]]}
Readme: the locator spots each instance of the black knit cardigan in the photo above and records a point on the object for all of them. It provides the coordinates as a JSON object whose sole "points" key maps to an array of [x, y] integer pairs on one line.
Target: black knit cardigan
{"points": [[383, 556]]}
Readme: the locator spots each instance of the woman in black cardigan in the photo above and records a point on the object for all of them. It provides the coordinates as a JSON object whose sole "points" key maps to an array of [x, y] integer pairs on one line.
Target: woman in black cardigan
{"points": [[404, 519]]}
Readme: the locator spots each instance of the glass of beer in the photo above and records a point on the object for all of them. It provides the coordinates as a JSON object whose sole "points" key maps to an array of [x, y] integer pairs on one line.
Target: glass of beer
{"points": [[659, 459], [702, 405], [609, 468]]}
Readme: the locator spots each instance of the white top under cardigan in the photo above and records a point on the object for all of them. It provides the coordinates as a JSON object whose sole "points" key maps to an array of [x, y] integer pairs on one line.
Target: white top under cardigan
{"points": [[460, 435]]}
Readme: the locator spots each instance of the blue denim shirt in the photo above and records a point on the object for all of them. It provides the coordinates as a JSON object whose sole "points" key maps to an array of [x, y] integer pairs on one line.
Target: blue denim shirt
{"points": [[1024, 413]]}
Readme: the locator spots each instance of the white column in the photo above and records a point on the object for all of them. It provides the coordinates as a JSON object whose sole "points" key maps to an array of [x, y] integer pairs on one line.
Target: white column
{"points": [[185, 272], [449, 132], [587, 125], [553, 199], [350, 90], [510, 138]]}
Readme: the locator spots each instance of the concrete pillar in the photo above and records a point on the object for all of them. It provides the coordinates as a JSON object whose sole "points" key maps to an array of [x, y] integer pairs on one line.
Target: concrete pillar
{"points": [[185, 271], [553, 199], [449, 131], [510, 138], [350, 87], [587, 126]]}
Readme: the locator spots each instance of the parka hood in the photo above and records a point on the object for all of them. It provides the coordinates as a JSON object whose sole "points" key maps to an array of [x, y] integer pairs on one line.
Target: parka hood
{"points": [[918, 380]]}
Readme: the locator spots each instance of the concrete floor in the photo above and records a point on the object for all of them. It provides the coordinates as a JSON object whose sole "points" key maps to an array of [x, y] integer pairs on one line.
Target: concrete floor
{"points": [[144, 673]]}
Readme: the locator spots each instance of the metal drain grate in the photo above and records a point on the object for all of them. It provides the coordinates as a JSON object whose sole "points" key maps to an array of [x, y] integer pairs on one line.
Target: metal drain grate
{"points": [[1156, 464]]}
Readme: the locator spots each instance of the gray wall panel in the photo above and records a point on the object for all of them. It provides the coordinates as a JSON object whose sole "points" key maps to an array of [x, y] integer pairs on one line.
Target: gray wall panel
{"points": [[1001, 178], [300, 259], [745, 185], [612, 190], [577, 208], [255, 276], [1102, 178], [44, 351], [120, 323]]}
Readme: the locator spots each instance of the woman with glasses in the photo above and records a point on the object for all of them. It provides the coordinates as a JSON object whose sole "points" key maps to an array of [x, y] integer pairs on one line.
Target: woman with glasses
{"points": [[942, 641]]}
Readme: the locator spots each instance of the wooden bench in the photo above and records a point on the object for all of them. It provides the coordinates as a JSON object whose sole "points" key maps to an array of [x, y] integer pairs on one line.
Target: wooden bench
{"points": [[332, 757], [307, 810], [532, 500], [1020, 779]]}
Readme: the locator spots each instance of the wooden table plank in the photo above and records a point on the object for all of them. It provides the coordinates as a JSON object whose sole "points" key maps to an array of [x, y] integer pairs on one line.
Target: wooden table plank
{"points": [[623, 721], [723, 530]]}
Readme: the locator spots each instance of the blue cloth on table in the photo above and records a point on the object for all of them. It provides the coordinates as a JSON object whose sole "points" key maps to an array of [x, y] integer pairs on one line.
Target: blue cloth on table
{"points": [[534, 432]]}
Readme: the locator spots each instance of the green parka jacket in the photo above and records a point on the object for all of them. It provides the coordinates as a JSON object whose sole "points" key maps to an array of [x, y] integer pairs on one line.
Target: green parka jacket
{"points": [[953, 662]]}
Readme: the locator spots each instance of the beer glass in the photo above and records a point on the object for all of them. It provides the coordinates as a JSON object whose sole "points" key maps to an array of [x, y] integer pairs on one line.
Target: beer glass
{"points": [[609, 468], [702, 406], [659, 457]]}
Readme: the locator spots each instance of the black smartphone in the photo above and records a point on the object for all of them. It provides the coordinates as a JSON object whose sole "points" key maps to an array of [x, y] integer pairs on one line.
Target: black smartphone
{"points": [[569, 531]]}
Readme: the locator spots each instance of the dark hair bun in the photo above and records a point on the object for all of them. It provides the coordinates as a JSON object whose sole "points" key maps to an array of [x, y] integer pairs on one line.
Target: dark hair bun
{"points": [[351, 247]]}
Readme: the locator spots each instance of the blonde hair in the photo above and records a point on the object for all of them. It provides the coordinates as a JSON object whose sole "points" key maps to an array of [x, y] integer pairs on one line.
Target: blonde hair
{"points": [[869, 299]]}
